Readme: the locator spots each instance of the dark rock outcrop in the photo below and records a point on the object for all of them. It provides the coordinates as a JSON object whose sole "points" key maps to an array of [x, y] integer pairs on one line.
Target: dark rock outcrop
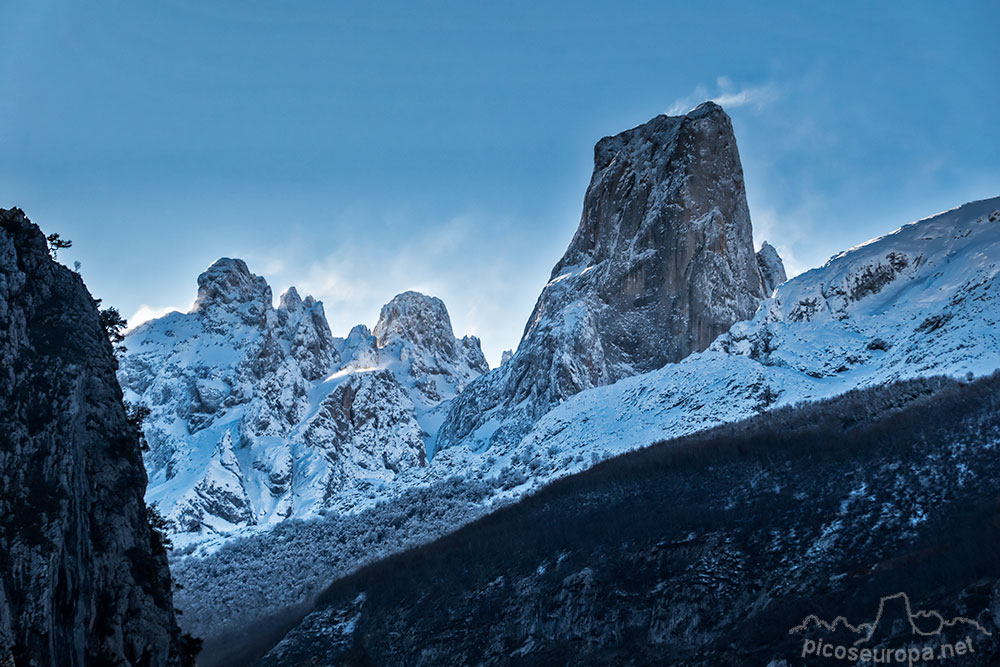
{"points": [[772, 269], [661, 264], [83, 578]]}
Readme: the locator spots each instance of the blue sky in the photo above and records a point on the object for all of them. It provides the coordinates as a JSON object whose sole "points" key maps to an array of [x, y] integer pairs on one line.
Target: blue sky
{"points": [[357, 152]]}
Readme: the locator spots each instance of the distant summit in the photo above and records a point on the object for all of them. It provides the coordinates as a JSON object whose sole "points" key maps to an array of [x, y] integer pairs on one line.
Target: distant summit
{"points": [[259, 414]]}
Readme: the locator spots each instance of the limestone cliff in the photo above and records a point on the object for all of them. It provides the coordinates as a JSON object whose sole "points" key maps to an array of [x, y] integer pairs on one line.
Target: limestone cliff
{"points": [[83, 578], [661, 264]]}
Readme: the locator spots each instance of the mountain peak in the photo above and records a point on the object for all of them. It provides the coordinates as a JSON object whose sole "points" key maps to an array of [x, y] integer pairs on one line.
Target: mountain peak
{"points": [[649, 138], [706, 108], [228, 286], [772, 269], [423, 320], [290, 300], [665, 221], [661, 264]]}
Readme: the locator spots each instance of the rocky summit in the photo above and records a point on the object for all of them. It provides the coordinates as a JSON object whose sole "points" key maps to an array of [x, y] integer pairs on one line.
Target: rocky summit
{"points": [[258, 413], [772, 269], [83, 578], [661, 264]]}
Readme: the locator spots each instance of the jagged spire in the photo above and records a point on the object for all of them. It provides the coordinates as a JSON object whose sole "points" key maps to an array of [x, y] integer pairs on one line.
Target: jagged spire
{"points": [[660, 265]]}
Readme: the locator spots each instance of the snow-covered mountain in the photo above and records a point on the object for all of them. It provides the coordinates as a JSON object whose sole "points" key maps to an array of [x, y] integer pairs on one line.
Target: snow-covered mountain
{"points": [[661, 264], [921, 301], [259, 413], [659, 321], [654, 325]]}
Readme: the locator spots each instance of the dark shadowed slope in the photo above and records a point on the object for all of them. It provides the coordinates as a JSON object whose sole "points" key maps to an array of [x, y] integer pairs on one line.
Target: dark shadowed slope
{"points": [[706, 550], [83, 579]]}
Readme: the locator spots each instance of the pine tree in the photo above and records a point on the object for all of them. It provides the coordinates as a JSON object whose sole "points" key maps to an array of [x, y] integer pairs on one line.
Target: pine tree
{"points": [[57, 243], [114, 324]]}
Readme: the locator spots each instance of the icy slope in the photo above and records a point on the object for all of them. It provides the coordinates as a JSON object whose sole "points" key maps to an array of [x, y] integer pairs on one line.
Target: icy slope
{"points": [[259, 414], [923, 300]]}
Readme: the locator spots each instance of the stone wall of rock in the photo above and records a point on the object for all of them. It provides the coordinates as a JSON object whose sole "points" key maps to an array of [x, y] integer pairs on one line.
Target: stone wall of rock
{"points": [[83, 578], [661, 264]]}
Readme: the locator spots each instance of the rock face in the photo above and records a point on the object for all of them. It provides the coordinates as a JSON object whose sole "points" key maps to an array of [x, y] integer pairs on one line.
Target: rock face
{"points": [[921, 301], [416, 330], [661, 264], [772, 269], [260, 414], [83, 580]]}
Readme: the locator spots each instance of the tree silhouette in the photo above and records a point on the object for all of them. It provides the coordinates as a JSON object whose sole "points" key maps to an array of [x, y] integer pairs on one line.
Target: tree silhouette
{"points": [[113, 322], [57, 243], [136, 414]]}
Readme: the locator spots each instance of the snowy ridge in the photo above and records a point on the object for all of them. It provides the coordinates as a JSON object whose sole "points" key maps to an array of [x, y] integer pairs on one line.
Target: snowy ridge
{"points": [[924, 300], [653, 325], [259, 414]]}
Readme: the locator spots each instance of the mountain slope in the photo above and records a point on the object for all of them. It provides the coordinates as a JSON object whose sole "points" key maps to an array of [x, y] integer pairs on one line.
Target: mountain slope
{"points": [[705, 550], [83, 578], [770, 361], [921, 301], [917, 302]]}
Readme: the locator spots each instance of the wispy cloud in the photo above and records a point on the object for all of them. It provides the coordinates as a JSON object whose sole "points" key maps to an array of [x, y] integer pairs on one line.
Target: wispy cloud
{"points": [[729, 95], [147, 313], [488, 289]]}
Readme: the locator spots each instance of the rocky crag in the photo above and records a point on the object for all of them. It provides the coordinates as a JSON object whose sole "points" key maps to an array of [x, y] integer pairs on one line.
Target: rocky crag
{"points": [[259, 414], [661, 264], [83, 578]]}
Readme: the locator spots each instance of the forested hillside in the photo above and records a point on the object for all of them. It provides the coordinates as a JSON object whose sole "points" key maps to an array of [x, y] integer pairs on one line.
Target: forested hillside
{"points": [[703, 550]]}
